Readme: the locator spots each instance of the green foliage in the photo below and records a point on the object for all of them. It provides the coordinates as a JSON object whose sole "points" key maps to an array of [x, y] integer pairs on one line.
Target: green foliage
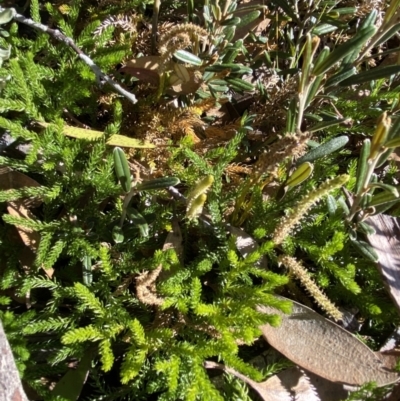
{"points": [[152, 310]]}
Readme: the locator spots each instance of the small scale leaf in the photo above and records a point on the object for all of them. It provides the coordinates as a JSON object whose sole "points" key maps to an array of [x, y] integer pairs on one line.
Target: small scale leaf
{"points": [[122, 169], [324, 149], [187, 57]]}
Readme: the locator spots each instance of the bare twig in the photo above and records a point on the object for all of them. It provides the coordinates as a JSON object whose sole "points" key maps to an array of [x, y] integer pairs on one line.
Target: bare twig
{"points": [[56, 34], [156, 11]]}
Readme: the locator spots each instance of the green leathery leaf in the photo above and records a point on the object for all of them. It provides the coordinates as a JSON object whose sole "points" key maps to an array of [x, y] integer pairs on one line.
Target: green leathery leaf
{"points": [[87, 275], [158, 183], [300, 174], [362, 165], [122, 169], [70, 385], [6, 15], [342, 203], [250, 17], [307, 62], [137, 219], [370, 20], [331, 204], [323, 29], [324, 149], [365, 200], [239, 84], [371, 75], [117, 235], [190, 9], [326, 124], [366, 250], [343, 50], [229, 33], [365, 228], [187, 57], [390, 188], [346, 10], [5, 53], [231, 21], [321, 57], [228, 66], [315, 86]]}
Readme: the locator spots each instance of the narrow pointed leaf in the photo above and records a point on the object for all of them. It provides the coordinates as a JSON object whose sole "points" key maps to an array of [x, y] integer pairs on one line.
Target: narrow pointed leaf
{"points": [[362, 165], [138, 220], [122, 169], [239, 84], [371, 75], [158, 183], [300, 174], [343, 50], [340, 76], [393, 143], [388, 34], [323, 29], [326, 124], [393, 190], [70, 385], [382, 198], [370, 20], [87, 275]]}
